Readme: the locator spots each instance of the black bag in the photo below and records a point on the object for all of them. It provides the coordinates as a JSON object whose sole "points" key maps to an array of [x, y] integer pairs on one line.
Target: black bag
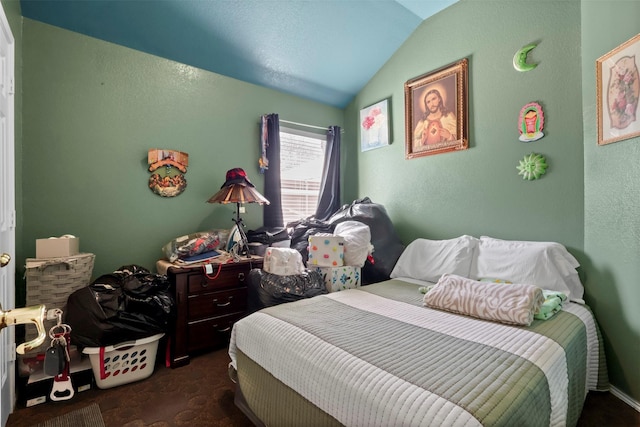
{"points": [[126, 305], [267, 235], [268, 289], [387, 246]]}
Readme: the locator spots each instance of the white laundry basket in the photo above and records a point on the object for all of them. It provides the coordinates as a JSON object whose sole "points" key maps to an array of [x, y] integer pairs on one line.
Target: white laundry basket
{"points": [[123, 363]]}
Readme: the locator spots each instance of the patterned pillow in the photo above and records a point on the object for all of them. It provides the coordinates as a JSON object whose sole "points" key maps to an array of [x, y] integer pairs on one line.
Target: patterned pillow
{"points": [[515, 304]]}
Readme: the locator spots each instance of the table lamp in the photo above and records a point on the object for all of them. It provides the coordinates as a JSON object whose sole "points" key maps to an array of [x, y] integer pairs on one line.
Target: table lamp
{"points": [[238, 189]]}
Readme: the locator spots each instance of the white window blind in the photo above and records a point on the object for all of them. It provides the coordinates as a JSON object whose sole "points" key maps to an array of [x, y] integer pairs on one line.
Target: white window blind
{"points": [[301, 162]]}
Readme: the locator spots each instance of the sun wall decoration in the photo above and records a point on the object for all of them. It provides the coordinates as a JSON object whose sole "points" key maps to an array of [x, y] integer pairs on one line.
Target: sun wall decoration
{"points": [[532, 166]]}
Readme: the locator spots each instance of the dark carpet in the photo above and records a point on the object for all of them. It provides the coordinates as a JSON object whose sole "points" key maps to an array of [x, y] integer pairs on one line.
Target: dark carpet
{"points": [[201, 394]]}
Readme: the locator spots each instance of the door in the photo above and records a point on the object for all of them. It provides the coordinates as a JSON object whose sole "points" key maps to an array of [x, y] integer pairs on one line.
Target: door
{"points": [[7, 216]]}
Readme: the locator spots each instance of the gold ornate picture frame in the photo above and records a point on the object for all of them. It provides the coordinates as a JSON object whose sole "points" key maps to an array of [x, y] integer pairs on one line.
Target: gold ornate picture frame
{"points": [[436, 108], [618, 90]]}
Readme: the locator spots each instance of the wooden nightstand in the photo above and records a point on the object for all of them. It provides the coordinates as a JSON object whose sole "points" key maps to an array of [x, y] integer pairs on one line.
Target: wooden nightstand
{"points": [[207, 305]]}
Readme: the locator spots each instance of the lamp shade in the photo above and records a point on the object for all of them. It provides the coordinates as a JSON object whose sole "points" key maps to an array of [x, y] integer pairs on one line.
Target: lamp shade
{"points": [[238, 193]]}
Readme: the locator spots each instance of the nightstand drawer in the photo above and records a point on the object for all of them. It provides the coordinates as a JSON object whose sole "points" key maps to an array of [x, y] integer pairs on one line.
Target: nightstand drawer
{"points": [[230, 276], [210, 333], [207, 304], [213, 304]]}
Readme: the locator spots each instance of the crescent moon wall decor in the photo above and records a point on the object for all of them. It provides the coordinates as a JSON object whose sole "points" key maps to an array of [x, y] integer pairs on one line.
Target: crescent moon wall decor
{"points": [[168, 181], [531, 122], [520, 59]]}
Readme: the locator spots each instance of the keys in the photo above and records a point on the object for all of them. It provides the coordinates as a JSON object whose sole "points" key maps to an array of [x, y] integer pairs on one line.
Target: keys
{"points": [[56, 357]]}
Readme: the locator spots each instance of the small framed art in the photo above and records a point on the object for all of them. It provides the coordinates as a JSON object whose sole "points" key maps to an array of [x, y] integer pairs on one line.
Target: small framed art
{"points": [[436, 108], [374, 126], [618, 89]]}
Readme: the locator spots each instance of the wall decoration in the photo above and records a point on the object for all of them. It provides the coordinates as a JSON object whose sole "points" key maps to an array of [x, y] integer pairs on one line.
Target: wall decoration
{"points": [[374, 126], [531, 122], [170, 165], [532, 166], [436, 108], [520, 58], [618, 89]]}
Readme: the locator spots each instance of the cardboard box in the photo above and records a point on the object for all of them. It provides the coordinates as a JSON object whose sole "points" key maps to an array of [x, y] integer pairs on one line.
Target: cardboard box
{"points": [[57, 247], [340, 278], [36, 389], [326, 251]]}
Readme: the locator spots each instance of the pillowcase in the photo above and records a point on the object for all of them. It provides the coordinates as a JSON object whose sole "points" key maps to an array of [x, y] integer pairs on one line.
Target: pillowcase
{"points": [[547, 265], [514, 304], [425, 259]]}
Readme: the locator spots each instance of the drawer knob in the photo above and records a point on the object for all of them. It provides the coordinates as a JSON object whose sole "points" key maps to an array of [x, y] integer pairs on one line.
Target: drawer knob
{"points": [[227, 329], [241, 277]]}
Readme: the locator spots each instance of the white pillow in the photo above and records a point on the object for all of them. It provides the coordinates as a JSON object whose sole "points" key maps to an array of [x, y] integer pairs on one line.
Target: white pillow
{"points": [[547, 265], [425, 259]]}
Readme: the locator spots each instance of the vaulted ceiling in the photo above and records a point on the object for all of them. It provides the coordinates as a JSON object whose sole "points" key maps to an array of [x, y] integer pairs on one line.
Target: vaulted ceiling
{"points": [[323, 50]]}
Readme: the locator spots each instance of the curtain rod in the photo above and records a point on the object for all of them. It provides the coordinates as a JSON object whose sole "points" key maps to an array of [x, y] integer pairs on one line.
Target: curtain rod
{"points": [[302, 124], [305, 125]]}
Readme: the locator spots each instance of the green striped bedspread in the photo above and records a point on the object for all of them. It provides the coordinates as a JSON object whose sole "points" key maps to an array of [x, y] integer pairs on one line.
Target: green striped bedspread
{"points": [[374, 356]]}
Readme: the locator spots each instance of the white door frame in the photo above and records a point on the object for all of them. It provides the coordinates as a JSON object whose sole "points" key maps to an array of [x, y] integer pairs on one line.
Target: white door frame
{"points": [[7, 215]]}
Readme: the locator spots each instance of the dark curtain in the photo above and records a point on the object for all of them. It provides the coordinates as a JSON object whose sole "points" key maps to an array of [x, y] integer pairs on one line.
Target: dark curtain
{"points": [[270, 145], [329, 198]]}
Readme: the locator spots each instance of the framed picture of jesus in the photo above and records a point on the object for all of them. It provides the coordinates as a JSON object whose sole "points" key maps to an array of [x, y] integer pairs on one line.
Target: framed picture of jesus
{"points": [[436, 108]]}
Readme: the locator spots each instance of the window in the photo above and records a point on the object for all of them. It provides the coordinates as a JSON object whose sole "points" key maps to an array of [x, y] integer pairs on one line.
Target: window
{"points": [[301, 162]]}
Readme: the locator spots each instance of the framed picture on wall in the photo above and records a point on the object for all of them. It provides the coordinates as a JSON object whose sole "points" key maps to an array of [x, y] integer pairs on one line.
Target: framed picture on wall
{"points": [[618, 89], [436, 108], [374, 126]]}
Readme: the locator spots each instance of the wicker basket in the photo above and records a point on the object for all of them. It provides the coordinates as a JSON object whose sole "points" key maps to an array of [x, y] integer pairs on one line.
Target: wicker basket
{"points": [[50, 281]]}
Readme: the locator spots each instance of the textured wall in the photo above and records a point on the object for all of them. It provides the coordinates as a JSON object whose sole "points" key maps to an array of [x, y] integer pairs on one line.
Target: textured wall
{"points": [[612, 203], [588, 200], [478, 191], [91, 112]]}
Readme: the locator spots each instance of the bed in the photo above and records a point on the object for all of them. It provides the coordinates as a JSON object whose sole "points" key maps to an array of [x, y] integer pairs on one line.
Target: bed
{"points": [[379, 355]]}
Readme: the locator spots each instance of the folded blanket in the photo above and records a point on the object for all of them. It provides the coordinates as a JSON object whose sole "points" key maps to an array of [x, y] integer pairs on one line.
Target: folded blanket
{"points": [[554, 294], [514, 304], [552, 304]]}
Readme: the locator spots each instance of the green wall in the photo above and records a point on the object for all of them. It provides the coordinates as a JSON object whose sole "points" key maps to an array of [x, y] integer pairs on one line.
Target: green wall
{"points": [[91, 112], [612, 203], [93, 109], [478, 191]]}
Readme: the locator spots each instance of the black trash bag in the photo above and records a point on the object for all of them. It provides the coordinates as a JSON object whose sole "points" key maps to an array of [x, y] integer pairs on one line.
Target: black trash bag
{"points": [[304, 228], [126, 305], [268, 289], [267, 235], [148, 294], [387, 246]]}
